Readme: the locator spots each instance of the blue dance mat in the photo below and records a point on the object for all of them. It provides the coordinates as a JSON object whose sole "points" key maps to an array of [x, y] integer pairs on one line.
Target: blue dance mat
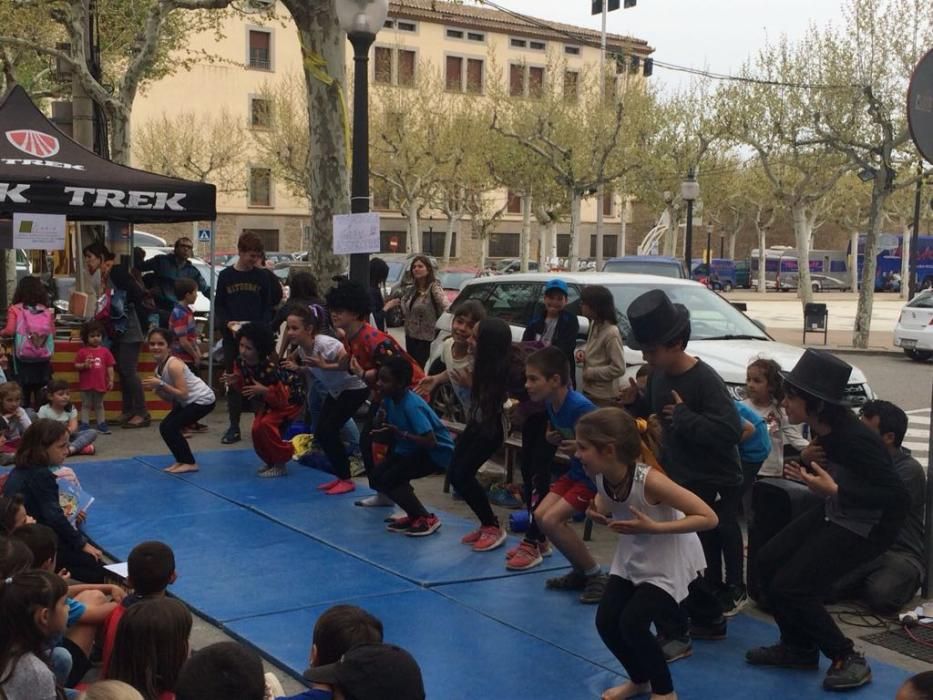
{"points": [[264, 557]]}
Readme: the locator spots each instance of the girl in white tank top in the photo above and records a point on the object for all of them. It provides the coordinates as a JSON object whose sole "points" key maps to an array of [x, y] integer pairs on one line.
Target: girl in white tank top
{"points": [[658, 553]]}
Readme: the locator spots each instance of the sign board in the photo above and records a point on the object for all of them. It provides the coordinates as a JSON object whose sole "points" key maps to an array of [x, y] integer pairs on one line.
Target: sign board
{"points": [[920, 106], [356, 233], [204, 235], [39, 231]]}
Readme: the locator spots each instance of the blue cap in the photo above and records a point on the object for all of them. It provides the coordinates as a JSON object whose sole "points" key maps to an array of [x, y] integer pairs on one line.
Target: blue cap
{"points": [[557, 284]]}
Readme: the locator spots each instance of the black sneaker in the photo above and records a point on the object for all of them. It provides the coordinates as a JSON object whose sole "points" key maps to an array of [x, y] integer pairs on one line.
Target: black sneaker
{"points": [[675, 648], [424, 526], [714, 631], [846, 672], [733, 599], [231, 436], [594, 589], [784, 656], [572, 581]]}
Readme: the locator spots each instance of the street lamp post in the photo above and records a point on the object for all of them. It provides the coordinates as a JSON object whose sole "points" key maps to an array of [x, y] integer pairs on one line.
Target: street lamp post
{"points": [[722, 245], [689, 191], [361, 19], [709, 245]]}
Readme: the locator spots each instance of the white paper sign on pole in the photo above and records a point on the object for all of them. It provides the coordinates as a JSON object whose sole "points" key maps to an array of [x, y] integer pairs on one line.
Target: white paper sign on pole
{"points": [[356, 233], [39, 231]]}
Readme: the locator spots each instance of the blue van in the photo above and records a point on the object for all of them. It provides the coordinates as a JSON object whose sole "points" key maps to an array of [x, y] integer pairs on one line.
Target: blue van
{"points": [[661, 265], [723, 267]]}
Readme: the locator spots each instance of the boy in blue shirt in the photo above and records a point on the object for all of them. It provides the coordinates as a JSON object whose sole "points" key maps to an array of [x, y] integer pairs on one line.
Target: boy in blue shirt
{"points": [[419, 445], [547, 379]]}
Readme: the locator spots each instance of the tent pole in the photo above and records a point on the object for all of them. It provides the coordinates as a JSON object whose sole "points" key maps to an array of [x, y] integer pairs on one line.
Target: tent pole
{"points": [[210, 322]]}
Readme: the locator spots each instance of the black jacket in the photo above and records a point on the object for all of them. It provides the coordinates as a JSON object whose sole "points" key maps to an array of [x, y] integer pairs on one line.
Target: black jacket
{"points": [[40, 497], [565, 335]]}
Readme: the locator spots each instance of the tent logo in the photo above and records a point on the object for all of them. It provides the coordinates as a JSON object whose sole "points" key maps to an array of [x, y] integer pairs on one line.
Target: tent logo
{"points": [[35, 143]]}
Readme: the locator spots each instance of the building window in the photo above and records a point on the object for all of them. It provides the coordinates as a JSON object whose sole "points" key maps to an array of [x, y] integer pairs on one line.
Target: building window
{"points": [[535, 81], [464, 75], [268, 236], [476, 36], [563, 245], [260, 113], [405, 76], [390, 24], [572, 50], [406, 26], [432, 243], [454, 34], [392, 241], [571, 86], [393, 66], [526, 81], [382, 65], [513, 203], [260, 49], [610, 246], [537, 45], [608, 201], [260, 187], [504, 245], [516, 80], [518, 43]]}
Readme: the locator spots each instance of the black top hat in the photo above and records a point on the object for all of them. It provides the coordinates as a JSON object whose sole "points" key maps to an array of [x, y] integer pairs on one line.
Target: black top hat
{"points": [[820, 374], [373, 672], [655, 319]]}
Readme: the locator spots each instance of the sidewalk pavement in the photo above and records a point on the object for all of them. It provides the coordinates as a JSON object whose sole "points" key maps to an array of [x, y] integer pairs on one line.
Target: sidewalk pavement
{"points": [[879, 342]]}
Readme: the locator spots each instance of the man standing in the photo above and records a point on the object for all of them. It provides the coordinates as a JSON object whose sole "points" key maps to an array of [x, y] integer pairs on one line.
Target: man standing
{"points": [[169, 267]]}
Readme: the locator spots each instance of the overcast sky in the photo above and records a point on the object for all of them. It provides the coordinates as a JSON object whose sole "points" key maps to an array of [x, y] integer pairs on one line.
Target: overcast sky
{"points": [[715, 35]]}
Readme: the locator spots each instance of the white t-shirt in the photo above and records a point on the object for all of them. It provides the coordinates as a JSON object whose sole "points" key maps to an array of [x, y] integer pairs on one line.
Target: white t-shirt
{"points": [[46, 411], [450, 362], [335, 381]]}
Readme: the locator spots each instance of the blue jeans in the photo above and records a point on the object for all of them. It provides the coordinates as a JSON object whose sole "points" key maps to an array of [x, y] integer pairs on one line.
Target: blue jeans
{"points": [[82, 439], [349, 433]]}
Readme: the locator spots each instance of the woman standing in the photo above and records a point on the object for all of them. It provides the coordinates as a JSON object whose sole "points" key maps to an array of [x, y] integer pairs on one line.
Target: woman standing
{"points": [[602, 357], [120, 297], [421, 304]]}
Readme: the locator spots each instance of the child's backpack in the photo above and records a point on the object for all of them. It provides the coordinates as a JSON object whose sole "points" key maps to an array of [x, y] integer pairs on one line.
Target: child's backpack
{"points": [[35, 339]]}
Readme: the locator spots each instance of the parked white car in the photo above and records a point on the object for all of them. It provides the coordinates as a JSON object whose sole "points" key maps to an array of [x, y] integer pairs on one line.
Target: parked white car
{"points": [[721, 335], [914, 330]]}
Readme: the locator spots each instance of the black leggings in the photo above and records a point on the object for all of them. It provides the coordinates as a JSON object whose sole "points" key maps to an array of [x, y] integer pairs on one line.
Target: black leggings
{"points": [[723, 544], [334, 413], [393, 477], [474, 447], [234, 398], [171, 426], [623, 621], [537, 460]]}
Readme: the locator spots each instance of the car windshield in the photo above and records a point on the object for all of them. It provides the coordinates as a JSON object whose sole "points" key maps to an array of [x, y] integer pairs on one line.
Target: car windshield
{"points": [[453, 280], [642, 268], [922, 301], [711, 316], [396, 270]]}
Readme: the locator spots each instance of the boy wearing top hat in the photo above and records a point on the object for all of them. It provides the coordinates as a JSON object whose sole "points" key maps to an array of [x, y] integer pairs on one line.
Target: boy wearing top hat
{"points": [[700, 434], [865, 505]]}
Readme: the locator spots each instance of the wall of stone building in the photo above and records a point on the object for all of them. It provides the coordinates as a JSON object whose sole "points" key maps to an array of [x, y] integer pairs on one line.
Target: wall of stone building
{"points": [[289, 234]]}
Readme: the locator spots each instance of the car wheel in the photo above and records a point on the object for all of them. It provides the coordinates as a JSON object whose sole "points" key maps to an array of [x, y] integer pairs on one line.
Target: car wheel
{"points": [[727, 286], [927, 283], [919, 355], [816, 287]]}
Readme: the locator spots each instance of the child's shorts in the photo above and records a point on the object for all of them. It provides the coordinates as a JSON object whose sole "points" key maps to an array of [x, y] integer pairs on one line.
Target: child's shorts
{"points": [[577, 493]]}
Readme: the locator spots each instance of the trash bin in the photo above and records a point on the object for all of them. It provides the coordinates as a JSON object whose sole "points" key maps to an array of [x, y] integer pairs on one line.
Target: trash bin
{"points": [[815, 320]]}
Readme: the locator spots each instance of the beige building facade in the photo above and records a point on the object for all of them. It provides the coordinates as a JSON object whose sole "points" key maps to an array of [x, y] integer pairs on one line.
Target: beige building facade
{"points": [[462, 41]]}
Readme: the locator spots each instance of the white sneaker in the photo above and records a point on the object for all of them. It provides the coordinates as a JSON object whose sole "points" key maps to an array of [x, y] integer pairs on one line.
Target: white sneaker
{"points": [[376, 500]]}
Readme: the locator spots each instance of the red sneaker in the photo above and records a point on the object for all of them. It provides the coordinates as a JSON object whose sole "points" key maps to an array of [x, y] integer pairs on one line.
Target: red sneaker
{"points": [[527, 557], [87, 450], [341, 487], [329, 485], [423, 526], [490, 537], [471, 537]]}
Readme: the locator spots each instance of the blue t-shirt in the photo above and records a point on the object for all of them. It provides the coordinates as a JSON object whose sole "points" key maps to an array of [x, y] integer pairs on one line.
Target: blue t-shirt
{"points": [[413, 415], [565, 422], [757, 447], [75, 611]]}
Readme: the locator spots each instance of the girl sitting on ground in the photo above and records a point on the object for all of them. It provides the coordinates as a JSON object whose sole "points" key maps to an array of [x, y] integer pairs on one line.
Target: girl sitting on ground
{"points": [[277, 394], [60, 408], [14, 420], [190, 397]]}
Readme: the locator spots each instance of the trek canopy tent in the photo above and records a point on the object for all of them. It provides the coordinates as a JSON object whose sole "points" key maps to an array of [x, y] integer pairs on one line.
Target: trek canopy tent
{"points": [[43, 171]]}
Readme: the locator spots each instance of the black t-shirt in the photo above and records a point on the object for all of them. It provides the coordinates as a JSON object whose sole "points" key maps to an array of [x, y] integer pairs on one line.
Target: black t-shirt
{"points": [[244, 296]]}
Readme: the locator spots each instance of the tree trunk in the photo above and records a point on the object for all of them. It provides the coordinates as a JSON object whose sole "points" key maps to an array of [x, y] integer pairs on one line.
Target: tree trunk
{"points": [[552, 239], [866, 297], [321, 37], [525, 235], [414, 233], [803, 228], [730, 244], [905, 261], [669, 248], [452, 219], [853, 261], [762, 260], [483, 250], [120, 143], [574, 254], [600, 226]]}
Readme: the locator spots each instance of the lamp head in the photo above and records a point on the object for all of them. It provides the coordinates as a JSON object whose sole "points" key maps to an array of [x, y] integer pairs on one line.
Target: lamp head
{"points": [[362, 16], [689, 189]]}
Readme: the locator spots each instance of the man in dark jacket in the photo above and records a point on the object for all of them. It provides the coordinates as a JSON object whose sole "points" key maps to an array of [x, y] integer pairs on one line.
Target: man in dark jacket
{"points": [[169, 267]]}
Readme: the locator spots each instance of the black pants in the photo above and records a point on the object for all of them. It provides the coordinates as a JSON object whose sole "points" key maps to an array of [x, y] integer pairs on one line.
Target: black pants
{"points": [[393, 478], [885, 584], [131, 386], [171, 426], [537, 462], [83, 566], [623, 621], [234, 397], [334, 413], [723, 544], [797, 568], [474, 447], [418, 349]]}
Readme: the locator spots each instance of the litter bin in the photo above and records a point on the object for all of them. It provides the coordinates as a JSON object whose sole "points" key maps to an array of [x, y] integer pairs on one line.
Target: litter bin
{"points": [[815, 320]]}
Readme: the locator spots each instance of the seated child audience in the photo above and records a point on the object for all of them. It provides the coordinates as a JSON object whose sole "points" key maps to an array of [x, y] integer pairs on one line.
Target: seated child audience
{"points": [[151, 646], [371, 672], [917, 687], [95, 365], [221, 671], [887, 583], [34, 610], [60, 408], [45, 445], [13, 514], [110, 690], [547, 379], [419, 445], [658, 554], [14, 419], [277, 395], [191, 399], [150, 570]]}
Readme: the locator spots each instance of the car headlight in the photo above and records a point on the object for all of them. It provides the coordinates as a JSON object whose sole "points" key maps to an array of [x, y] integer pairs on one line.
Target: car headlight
{"points": [[737, 391]]}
